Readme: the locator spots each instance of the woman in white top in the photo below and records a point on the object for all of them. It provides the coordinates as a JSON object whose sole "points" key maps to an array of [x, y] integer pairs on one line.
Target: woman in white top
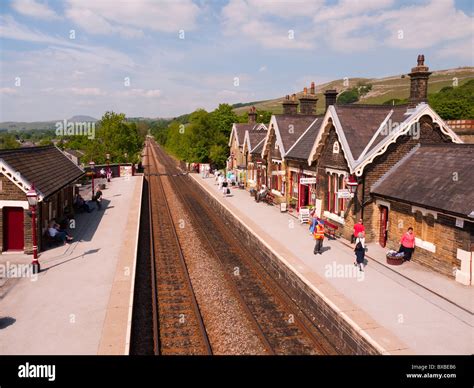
{"points": [[360, 251]]}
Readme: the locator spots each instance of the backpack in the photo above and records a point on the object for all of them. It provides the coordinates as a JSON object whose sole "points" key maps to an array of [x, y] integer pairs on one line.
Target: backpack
{"points": [[359, 246]]}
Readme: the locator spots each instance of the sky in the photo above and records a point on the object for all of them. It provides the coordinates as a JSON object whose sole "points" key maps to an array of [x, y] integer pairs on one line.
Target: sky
{"points": [[163, 58]]}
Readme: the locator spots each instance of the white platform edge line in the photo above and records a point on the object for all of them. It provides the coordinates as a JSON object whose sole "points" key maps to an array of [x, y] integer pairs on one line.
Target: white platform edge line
{"points": [[132, 285], [343, 315]]}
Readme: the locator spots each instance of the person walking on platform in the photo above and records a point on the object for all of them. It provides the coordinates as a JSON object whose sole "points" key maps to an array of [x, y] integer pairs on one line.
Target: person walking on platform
{"points": [[225, 188], [358, 228], [314, 221], [98, 199], [359, 251], [319, 237]]}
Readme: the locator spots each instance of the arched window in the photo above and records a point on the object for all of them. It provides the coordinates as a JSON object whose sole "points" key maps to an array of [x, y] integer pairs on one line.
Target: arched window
{"points": [[335, 147]]}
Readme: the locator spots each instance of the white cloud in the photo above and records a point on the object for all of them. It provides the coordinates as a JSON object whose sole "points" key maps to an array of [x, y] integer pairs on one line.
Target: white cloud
{"points": [[147, 93], [252, 20], [34, 9], [350, 8], [88, 91], [348, 25], [462, 50], [11, 29], [8, 91], [128, 18], [426, 25], [62, 50]]}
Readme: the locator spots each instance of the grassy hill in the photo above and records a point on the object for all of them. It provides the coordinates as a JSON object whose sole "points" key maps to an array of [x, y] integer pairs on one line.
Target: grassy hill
{"points": [[45, 125], [383, 89]]}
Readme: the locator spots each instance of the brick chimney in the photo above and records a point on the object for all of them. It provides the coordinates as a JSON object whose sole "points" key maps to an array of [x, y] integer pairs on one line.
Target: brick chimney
{"points": [[290, 105], [252, 115], [308, 101], [419, 82], [331, 97]]}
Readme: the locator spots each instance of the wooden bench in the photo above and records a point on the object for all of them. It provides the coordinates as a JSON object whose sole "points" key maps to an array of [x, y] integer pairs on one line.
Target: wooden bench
{"points": [[269, 198], [330, 228], [48, 240]]}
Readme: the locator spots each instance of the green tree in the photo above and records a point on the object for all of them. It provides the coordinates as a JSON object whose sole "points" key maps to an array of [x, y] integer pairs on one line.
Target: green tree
{"points": [[454, 103], [348, 97], [8, 141]]}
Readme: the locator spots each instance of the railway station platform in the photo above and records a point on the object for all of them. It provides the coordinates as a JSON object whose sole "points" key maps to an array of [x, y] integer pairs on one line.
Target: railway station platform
{"points": [[400, 311], [81, 301]]}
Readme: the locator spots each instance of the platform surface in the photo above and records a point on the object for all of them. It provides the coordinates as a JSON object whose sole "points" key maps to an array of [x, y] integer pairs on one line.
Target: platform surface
{"points": [[80, 302]]}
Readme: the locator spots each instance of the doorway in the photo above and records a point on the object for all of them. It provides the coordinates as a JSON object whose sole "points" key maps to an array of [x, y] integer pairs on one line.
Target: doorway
{"points": [[13, 229], [383, 226]]}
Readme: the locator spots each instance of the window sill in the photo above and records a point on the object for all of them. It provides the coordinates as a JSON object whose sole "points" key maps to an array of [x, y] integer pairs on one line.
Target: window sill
{"points": [[334, 217], [425, 245]]}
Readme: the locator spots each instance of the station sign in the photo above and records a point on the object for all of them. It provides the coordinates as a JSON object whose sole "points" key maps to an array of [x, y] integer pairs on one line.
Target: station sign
{"points": [[308, 181], [282, 172], [344, 194]]}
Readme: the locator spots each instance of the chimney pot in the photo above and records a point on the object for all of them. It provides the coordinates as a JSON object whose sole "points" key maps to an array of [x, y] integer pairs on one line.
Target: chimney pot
{"points": [[419, 82], [252, 115], [312, 90], [331, 97], [290, 106]]}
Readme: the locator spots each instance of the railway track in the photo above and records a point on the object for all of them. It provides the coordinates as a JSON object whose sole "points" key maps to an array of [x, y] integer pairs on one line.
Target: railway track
{"points": [[178, 328], [281, 326]]}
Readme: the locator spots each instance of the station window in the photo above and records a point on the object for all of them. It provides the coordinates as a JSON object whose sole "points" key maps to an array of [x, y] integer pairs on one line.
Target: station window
{"points": [[335, 183]]}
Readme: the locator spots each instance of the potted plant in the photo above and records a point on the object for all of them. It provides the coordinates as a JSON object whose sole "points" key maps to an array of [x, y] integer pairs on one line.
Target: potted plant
{"points": [[395, 258]]}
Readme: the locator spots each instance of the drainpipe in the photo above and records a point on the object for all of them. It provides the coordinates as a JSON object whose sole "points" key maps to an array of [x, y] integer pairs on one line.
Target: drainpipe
{"points": [[363, 197]]}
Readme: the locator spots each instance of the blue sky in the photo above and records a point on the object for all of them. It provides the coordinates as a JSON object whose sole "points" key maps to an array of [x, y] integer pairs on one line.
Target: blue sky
{"points": [[164, 58]]}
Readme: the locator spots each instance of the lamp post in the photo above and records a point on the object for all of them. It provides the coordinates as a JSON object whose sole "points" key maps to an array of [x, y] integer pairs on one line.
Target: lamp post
{"points": [[108, 166], [32, 197], [352, 184], [92, 166]]}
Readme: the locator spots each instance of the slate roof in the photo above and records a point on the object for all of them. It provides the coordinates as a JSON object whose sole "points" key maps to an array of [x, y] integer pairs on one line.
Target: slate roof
{"points": [[47, 167], [291, 127], [361, 122], [256, 137], [258, 148], [240, 129], [302, 148], [438, 177]]}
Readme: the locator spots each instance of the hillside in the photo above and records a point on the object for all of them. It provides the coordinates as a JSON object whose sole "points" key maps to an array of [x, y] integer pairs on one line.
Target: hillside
{"points": [[383, 89], [26, 126]]}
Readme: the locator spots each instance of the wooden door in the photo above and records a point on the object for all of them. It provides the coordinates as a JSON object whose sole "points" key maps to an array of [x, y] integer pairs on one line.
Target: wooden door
{"points": [[383, 226], [13, 229]]}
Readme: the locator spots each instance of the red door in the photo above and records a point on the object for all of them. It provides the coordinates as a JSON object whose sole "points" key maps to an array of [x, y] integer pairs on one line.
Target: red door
{"points": [[13, 229], [383, 226]]}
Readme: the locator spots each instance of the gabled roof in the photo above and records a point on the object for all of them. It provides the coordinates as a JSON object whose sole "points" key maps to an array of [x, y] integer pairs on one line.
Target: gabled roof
{"points": [[361, 123], [47, 167], [288, 129], [254, 136], [433, 176], [364, 133], [239, 129], [302, 147], [257, 150]]}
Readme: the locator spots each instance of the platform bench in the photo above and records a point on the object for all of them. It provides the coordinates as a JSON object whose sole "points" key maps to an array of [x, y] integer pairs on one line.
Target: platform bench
{"points": [[330, 228]]}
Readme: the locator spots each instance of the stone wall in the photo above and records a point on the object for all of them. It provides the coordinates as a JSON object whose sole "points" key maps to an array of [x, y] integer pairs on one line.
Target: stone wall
{"points": [[441, 231]]}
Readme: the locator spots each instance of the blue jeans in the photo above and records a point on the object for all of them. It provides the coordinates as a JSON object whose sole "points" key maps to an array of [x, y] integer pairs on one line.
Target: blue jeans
{"points": [[60, 236]]}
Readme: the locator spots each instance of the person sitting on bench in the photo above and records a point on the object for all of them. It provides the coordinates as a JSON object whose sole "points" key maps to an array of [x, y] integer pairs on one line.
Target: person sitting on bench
{"points": [[80, 204], [57, 234]]}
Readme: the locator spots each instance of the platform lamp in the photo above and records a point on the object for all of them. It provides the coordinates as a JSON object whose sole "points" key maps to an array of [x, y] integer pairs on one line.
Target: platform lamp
{"points": [[352, 184], [32, 197], [92, 166], [107, 156]]}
